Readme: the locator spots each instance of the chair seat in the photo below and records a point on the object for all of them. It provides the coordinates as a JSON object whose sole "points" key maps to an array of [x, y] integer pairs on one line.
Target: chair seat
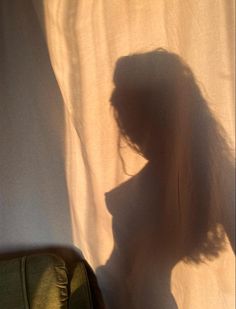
{"points": [[42, 282]]}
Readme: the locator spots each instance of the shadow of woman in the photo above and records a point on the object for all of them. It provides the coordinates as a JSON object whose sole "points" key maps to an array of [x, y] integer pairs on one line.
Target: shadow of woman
{"points": [[179, 206]]}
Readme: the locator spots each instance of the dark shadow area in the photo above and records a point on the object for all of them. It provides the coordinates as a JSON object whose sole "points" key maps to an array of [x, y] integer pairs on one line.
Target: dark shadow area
{"points": [[69, 254], [179, 206], [34, 205]]}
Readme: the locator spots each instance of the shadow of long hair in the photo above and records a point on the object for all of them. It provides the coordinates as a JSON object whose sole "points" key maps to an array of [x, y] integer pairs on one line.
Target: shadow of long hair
{"points": [[163, 115]]}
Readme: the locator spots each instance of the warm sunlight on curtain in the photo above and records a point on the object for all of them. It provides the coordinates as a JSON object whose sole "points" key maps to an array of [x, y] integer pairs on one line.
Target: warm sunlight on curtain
{"points": [[84, 39]]}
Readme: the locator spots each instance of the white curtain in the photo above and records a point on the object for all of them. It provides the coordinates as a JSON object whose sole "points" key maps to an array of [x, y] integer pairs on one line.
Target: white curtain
{"points": [[59, 141]]}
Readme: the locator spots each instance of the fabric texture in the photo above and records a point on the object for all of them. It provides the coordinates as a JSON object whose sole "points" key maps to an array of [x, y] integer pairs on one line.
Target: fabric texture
{"points": [[34, 282], [62, 180], [44, 281], [79, 289]]}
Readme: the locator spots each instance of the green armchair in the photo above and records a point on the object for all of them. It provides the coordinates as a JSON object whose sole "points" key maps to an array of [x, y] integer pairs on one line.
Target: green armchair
{"points": [[44, 281]]}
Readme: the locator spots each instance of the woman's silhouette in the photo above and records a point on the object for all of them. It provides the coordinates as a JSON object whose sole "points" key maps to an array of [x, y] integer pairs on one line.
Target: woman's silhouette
{"points": [[180, 205]]}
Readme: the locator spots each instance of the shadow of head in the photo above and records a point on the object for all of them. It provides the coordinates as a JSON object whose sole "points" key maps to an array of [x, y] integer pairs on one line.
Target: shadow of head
{"points": [[152, 94]]}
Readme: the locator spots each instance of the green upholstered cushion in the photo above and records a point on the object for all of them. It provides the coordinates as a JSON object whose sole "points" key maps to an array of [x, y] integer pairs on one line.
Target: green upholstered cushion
{"points": [[36, 281], [41, 282], [80, 296]]}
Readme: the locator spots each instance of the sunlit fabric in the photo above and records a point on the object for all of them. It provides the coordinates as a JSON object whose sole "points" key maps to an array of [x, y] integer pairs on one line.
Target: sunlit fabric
{"points": [[63, 165]]}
